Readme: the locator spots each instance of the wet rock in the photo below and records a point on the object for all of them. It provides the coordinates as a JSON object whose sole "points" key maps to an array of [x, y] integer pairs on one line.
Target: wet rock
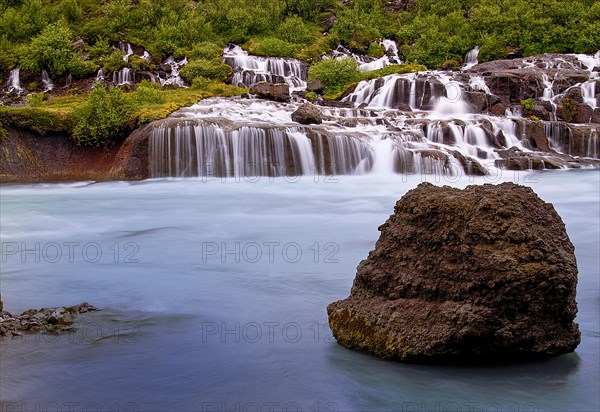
{"points": [[307, 114], [46, 320], [315, 86], [498, 109], [516, 159], [78, 44], [572, 111], [487, 272], [273, 91], [329, 22]]}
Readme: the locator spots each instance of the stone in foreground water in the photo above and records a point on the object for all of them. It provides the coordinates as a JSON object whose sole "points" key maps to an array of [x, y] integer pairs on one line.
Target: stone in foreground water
{"points": [[487, 272]]}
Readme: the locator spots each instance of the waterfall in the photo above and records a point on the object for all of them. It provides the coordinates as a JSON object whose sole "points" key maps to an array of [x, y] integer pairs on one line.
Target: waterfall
{"points": [[592, 149], [14, 81], [209, 150], [471, 58], [415, 91], [68, 80], [126, 48], [173, 77], [47, 81], [249, 70], [123, 76], [100, 75], [367, 63], [588, 91]]}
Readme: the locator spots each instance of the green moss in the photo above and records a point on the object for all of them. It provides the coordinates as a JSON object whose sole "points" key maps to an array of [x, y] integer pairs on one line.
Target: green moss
{"points": [[312, 96], [569, 111], [527, 104]]}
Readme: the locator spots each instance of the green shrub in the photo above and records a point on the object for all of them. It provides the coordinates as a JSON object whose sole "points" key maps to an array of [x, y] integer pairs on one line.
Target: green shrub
{"points": [[114, 61], [148, 93], [271, 46], [335, 73], [295, 30], [312, 96], [376, 50], [139, 64], [200, 83], [212, 69], [205, 51], [82, 68], [102, 119], [51, 49], [36, 99]]}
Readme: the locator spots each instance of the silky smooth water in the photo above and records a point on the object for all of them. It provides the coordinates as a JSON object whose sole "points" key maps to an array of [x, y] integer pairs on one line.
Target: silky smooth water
{"points": [[214, 296]]}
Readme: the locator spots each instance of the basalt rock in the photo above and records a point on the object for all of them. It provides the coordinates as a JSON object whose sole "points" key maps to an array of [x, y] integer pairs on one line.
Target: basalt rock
{"points": [[307, 114], [45, 320], [487, 272], [273, 91]]}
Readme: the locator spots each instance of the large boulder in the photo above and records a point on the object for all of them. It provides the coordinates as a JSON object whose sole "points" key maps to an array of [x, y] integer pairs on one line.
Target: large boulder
{"points": [[273, 91], [307, 114], [487, 272]]}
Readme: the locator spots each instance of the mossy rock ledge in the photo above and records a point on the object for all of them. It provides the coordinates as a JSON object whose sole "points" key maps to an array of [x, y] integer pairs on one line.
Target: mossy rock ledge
{"points": [[484, 273]]}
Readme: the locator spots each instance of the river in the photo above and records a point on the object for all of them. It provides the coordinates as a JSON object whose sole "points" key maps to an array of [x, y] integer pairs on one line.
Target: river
{"points": [[213, 296]]}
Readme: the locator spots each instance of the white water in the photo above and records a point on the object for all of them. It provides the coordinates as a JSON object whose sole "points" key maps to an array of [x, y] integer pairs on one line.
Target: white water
{"points": [[47, 81], [471, 58], [123, 76], [173, 77], [366, 63], [249, 70], [100, 75], [14, 81]]}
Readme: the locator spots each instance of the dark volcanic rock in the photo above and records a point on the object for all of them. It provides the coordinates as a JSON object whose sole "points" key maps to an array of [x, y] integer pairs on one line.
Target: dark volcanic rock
{"points": [[47, 320], [279, 92], [487, 272], [315, 85], [307, 114]]}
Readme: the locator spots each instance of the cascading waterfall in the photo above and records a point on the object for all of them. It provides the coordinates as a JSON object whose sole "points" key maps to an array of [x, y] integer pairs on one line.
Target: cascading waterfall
{"points": [[126, 49], [173, 77], [47, 81], [471, 58], [428, 122], [123, 76], [588, 91], [249, 70], [14, 81], [100, 75]]}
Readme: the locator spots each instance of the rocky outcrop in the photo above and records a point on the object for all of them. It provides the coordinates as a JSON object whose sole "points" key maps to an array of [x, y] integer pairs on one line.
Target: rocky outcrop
{"points": [[131, 162], [45, 320], [315, 85], [307, 114], [279, 92], [27, 156], [487, 272]]}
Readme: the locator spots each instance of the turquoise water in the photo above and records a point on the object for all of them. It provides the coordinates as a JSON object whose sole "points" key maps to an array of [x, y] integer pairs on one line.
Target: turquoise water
{"points": [[214, 295]]}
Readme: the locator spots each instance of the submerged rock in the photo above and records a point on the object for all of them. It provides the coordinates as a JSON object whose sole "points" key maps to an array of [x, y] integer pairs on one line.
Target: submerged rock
{"points": [[47, 320], [487, 272]]}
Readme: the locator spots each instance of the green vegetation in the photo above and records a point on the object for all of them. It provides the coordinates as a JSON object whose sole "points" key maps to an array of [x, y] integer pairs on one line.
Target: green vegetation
{"points": [[527, 104], [78, 37], [340, 74]]}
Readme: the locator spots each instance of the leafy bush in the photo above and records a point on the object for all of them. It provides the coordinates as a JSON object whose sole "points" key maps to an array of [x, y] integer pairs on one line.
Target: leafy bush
{"points": [[271, 46], [102, 119], [114, 61], [206, 51], [36, 99], [335, 73], [148, 93], [51, 49], [294, 30], [212, 69]]}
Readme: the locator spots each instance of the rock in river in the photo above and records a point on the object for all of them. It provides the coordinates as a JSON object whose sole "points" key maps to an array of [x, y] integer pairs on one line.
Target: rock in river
{"points": [[487, 272]]}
